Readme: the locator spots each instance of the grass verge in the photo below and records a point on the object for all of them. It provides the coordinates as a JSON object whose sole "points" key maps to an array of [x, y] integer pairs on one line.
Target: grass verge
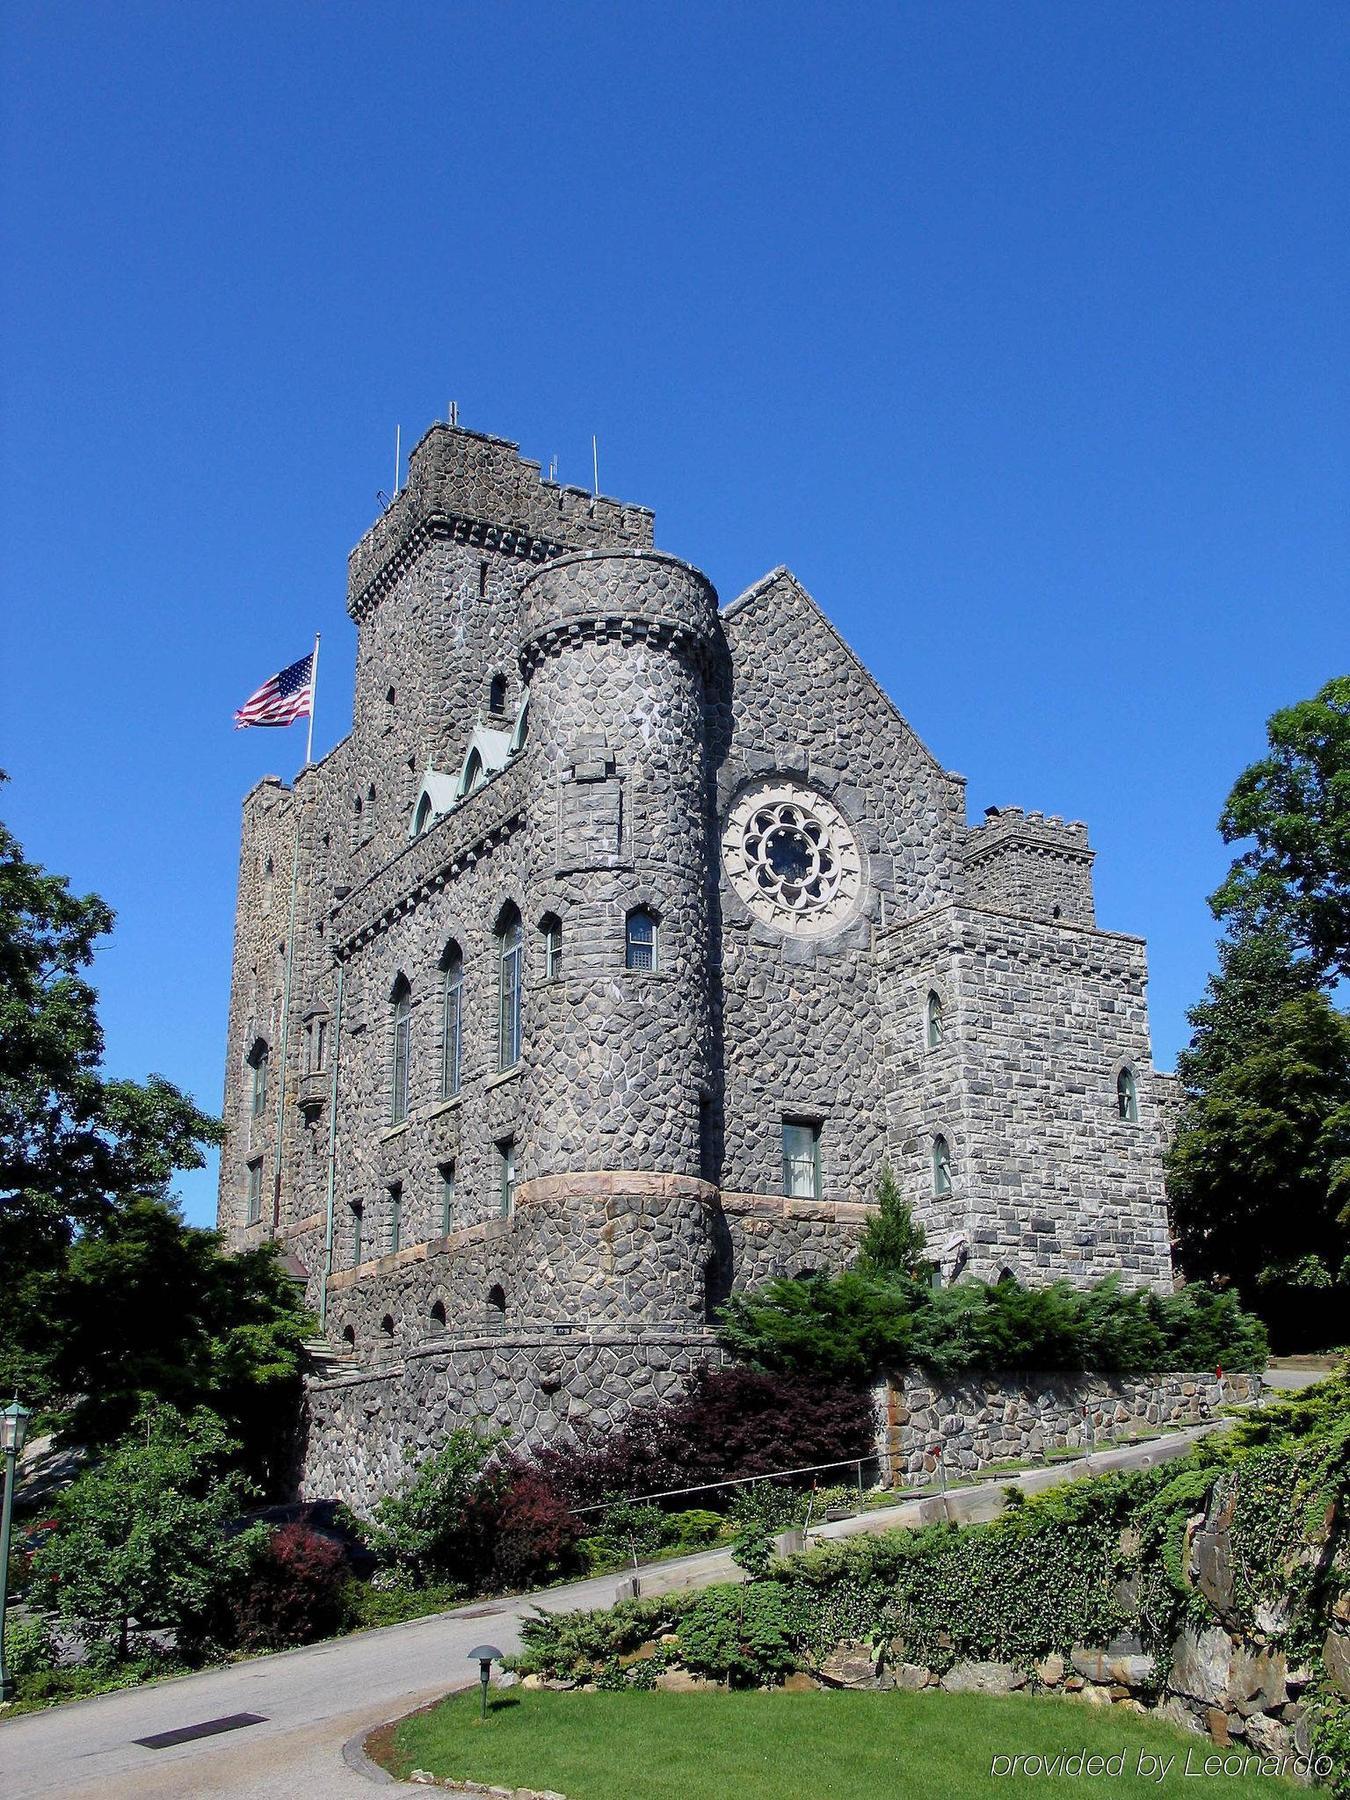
{"points": [[762, 1746]]}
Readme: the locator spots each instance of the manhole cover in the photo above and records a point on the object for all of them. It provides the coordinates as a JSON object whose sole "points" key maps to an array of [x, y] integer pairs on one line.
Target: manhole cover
{"points": [[208, 1728]]}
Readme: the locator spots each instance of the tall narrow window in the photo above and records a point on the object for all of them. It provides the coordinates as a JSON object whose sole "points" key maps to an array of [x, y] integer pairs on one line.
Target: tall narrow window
{"points": [[506, 1177], [452, 1021], [551, 940], [495, 1309], [801, 1159], [934, 1032], [448, 1219], [257, 1059], [358, 1212], [320, 1045], [254, 1191], [1127, 1097], [640, 940], [509, 946], [942, 1167], [497, 695], [394, 1227], [401, 1070], [422, 817]]}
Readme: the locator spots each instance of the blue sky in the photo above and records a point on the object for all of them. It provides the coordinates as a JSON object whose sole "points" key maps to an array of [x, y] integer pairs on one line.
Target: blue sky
{"points": [[1018, 332]]}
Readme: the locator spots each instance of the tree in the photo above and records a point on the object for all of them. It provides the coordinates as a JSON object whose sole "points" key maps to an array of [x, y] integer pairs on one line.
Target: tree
{"points": [[426, 1531], [149, 1536], [1258, 972], [108, 1298], [150, 1308], [1294, 804], [892, 1241], [1259, 1174]]}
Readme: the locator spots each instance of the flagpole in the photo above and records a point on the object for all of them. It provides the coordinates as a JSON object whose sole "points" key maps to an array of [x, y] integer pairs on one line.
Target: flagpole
{"points": [[313, 700]]}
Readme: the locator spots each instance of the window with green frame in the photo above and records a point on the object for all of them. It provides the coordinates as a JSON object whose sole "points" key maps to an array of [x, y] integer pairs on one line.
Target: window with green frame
{"points": [[254, 1191], [801, 1159], [506, 1177], [400, 1075], [509, 950]]}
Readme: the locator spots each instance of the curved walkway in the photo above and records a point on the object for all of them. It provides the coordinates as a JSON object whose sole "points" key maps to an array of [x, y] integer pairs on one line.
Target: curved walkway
{"points": [[312, 1701]]}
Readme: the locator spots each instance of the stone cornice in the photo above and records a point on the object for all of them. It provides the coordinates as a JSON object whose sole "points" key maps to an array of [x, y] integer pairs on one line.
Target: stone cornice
{"points": [[426, 864], [453, 528]]}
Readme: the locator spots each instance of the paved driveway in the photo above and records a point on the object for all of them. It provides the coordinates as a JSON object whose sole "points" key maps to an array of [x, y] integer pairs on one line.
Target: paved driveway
{"points": [[313, 1700]]}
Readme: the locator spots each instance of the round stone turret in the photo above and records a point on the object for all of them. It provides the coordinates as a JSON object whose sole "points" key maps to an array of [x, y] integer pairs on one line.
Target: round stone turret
{"points": [[617, 647]]}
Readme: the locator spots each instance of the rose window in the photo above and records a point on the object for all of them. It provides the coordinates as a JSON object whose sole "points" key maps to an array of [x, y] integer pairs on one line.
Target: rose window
{"points": [[792, 857]]}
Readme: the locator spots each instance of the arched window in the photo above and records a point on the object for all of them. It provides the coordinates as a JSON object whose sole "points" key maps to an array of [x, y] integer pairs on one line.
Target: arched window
{"points": [[1127, 1097], [495, 1308], [452, 1020], [506, 1176], [349, 1336], [437, 1315], [497, 694], [387, 1324], [509, 948], [422, 817], [640, 939], [942, 1167], [551, 944], [473, 774], [934, 1021], [257, 1062], [402, 1047]]}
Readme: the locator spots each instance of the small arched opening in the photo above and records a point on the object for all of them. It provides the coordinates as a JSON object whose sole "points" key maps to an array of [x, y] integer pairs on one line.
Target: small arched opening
{"points": [[387, 1325], [437, 1315]]}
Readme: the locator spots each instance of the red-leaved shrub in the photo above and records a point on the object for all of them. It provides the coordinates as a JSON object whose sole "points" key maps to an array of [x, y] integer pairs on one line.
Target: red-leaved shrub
{"points": [[727, 1423], [533, 1534], [294, 1593]]}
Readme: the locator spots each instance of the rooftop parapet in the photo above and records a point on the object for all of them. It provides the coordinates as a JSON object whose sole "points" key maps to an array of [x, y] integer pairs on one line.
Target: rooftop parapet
{"points": [[467, 484], [1004, 824]]}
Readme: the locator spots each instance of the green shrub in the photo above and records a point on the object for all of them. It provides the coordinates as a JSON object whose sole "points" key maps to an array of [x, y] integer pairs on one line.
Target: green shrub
{"points": [[742, 1635], [696, 1526], [770, 1504], [29, 1648], [854, 1326], [426, 1532]]}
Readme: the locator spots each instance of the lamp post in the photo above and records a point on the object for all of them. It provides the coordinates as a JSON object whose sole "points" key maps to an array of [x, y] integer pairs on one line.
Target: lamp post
{"points": [[13, 1431], [485, 1655]]}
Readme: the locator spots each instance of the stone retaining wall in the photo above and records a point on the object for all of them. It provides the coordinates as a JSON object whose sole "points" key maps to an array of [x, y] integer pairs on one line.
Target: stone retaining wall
{"points": [[365, 1431], [984, 1419]]}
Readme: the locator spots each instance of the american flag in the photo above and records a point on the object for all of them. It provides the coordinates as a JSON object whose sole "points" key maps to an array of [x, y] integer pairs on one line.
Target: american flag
{"points": [[280, 701]]}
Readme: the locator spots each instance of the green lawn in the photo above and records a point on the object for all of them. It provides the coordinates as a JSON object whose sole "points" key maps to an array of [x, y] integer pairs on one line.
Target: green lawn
{"points": [[816, 1746]]}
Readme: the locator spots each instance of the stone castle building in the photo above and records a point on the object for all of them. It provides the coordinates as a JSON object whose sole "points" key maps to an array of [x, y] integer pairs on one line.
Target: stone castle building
{"points": [[628, 938]]}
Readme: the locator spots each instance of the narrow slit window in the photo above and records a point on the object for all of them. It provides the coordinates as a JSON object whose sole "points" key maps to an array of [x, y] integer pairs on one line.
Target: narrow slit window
{"points": [[942, 1167], [258, 1058], [394, 1229], [509, 942], [551, 935], [1127, 1097], [506, 1177], [934, 1026], [401, 1071], [254, 1191], [448, 1216], [358, 1231], [452, 1023]]}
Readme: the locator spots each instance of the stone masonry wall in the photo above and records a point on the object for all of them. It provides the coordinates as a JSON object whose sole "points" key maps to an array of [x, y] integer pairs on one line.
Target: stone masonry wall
{"points": [[366, 1431], [1039, 1018], [981, 1420]]}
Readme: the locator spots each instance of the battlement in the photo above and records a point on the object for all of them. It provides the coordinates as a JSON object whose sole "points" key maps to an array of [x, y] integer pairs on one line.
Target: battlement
{"points": [[1004, 823], [468, 485], [1026, 863]]}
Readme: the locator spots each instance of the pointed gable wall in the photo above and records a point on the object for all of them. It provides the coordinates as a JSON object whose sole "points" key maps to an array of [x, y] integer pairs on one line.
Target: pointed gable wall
{"points": [[798, 1014]]}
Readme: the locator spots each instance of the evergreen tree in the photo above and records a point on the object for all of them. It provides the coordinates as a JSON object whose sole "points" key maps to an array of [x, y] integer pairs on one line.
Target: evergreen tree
{"points": [[893, 1242]]}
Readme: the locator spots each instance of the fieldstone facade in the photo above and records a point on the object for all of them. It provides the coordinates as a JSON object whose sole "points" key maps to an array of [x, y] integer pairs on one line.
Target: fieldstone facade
{"points": [[598, 970]]}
